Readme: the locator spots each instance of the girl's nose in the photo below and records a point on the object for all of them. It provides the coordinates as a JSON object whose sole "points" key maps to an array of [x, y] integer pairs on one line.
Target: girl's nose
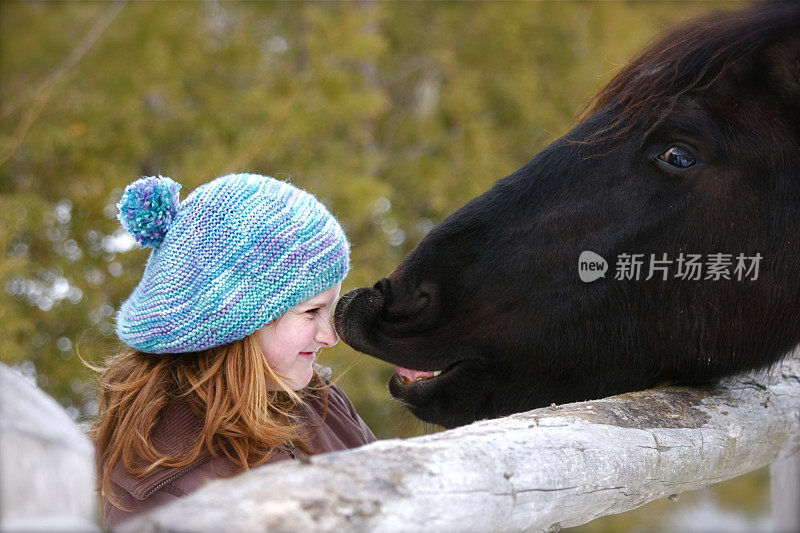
{"points": [[326, 334]]}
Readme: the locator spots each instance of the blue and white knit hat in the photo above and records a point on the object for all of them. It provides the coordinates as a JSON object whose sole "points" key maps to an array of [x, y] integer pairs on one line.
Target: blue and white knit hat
{"points": [[236, 254]]}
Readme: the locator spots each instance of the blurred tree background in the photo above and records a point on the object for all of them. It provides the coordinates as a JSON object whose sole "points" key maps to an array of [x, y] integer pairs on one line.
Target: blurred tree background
{"points": [[394, 114]]}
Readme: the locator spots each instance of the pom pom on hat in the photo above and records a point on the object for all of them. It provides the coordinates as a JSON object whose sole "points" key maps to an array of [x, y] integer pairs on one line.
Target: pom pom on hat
{"points": [[147, 208]]}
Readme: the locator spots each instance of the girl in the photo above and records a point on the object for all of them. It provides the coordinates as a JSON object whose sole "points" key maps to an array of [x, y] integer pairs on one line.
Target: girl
{"points": [[223, 330]]}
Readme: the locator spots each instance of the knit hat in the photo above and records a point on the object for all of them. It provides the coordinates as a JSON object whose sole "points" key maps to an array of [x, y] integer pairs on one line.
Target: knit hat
{"points": [[236, 254]]}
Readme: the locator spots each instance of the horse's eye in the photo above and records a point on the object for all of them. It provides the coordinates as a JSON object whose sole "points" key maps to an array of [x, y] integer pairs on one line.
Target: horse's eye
{"points": [[678, 157]]}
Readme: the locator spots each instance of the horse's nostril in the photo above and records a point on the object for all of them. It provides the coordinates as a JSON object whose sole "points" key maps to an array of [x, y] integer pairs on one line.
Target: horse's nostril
{"points": [[424, 300], [424, 293], [406, 301], [385, 289]]}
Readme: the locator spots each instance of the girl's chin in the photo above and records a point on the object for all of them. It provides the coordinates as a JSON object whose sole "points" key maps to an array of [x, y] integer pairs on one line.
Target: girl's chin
{"points": [[299, 382]]}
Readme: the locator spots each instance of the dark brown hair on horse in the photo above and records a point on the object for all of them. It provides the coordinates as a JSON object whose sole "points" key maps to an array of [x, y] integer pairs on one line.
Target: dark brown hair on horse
{"points": [[684, 178]]}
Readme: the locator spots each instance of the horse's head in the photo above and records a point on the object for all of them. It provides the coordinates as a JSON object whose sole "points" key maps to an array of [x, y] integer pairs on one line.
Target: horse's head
{"points": [[693, 150]]}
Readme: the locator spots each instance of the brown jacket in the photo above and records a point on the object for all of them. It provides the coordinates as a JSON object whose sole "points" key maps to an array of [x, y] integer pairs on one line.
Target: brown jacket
{"points": [[341, 429]]}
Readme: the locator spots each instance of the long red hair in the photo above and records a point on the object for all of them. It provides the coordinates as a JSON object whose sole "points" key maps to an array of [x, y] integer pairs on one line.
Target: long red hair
{"points": [[230, 388]]}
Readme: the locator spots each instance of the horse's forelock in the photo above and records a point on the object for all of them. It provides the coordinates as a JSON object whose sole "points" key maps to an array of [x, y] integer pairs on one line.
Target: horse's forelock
{"points": [[690, 58]]}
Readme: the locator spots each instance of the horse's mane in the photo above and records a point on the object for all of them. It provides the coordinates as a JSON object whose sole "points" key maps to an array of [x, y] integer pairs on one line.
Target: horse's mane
{"points": [[690, 58]]}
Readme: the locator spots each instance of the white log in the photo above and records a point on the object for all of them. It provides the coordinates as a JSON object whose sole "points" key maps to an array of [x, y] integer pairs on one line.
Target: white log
{"points": [[539, 471], [46, 463], [785, 494]]}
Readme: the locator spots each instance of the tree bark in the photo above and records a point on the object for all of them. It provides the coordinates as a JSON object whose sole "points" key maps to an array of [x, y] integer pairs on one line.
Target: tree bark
{"points": [[785, 494]]}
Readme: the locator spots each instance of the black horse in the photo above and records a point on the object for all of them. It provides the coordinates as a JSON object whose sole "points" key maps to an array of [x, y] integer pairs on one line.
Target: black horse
{"points": [[684, 177]]}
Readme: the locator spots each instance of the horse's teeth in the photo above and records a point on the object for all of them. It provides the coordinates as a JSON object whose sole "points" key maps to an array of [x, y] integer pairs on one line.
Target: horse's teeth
{"points": [[436, 373]]}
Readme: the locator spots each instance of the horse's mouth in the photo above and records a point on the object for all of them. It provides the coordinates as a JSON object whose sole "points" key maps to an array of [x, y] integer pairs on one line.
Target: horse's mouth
{"points": [[408, 377], [411, 386]]}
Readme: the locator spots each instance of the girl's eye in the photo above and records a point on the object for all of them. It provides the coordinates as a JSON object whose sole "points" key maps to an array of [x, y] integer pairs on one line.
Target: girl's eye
{"points": [[678, 156]]}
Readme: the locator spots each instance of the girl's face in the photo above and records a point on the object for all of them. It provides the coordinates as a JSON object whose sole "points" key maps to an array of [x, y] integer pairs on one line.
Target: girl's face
{"points": [[290, 343]]}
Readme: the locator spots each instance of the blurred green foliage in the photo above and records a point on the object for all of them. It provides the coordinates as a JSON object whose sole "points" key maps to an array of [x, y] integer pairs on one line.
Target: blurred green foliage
{"points": [[394, 114]]}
